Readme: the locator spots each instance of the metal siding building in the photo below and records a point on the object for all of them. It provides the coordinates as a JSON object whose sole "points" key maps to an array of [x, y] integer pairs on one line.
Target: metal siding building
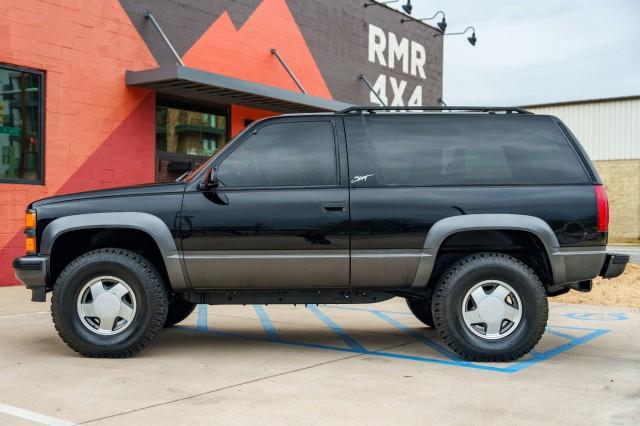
{"points": [[609, 130]]}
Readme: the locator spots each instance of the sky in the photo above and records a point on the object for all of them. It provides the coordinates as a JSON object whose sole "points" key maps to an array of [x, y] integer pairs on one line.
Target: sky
{"points": [[541, 51]]}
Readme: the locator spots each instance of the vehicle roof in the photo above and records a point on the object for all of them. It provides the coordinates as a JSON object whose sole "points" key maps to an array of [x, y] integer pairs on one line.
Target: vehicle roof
{"points": [[418, 110]]}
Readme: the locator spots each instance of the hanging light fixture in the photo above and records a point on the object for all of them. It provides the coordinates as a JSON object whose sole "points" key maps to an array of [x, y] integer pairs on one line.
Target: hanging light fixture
{"points": [[472, 40], [442, 24], [366, 5], [407, 7]]}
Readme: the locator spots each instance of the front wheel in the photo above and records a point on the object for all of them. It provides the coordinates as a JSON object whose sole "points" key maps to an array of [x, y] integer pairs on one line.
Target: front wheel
{"points": [[490, 307], [109, 303]]}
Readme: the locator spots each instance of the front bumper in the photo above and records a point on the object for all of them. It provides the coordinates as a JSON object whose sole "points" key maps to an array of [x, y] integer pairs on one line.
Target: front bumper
{"points": [[614, 264], [32, 272]]}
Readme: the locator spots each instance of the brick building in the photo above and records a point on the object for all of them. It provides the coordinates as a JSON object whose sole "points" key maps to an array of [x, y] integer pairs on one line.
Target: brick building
{"points": [[92, 96]]}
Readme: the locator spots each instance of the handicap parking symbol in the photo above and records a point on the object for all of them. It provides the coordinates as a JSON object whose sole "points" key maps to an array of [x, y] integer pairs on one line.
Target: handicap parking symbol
{"points": [[597, 316]]}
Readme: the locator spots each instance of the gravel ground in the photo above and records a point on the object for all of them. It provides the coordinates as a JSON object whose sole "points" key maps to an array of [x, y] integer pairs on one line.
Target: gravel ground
{"points": [[621, 291]]}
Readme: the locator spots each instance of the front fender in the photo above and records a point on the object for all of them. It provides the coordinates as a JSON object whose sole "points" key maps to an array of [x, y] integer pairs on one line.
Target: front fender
{"points": [[150, 224]]}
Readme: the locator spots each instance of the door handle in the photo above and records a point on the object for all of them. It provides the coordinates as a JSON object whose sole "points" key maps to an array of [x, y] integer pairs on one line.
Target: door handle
{"points": [[338, 206]]}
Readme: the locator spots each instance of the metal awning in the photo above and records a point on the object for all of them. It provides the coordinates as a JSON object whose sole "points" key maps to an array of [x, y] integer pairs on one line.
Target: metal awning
{"points": [[206, 87]]}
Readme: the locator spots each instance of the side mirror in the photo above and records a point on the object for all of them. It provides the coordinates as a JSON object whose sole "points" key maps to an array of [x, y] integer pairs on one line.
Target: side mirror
{"points": [[210, 180]]}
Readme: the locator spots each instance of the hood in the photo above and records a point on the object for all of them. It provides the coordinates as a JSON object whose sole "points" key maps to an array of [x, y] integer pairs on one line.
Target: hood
{"points": [[124, 191]]}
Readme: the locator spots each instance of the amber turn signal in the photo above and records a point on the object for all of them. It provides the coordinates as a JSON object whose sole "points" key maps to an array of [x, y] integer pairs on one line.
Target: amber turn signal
{"points": [[30, 219], [30, 244]]}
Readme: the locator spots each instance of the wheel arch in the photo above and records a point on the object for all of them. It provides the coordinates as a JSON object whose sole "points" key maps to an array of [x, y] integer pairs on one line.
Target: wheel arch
{"points": [[445, 228], [150, 225]]}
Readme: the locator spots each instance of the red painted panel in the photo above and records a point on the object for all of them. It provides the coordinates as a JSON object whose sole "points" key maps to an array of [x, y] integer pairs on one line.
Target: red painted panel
{"points": [[245, 53]]}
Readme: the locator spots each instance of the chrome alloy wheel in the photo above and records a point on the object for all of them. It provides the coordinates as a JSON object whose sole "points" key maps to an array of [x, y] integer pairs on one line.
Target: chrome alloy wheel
{"points": [[106, 305], [492, 309]]}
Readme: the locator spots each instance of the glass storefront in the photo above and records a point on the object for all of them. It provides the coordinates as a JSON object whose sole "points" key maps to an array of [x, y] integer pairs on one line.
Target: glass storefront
{"points": [[21, 104], [185, 138]]}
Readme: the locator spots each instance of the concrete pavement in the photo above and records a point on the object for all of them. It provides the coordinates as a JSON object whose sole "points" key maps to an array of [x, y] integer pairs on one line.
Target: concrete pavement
{"points": [[360, 364]]}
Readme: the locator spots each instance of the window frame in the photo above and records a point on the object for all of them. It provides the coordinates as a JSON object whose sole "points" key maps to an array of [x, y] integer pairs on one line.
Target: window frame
{"points": [[40, 180], [274, 121], [379, 181]]}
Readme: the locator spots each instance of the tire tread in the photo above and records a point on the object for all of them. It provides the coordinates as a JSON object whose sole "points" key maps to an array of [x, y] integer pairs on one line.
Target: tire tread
{"points": [[449, 278], [153, 285]]}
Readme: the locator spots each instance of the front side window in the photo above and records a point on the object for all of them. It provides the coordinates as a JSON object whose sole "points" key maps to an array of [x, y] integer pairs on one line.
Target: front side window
{"points": [[283, 154], [21, 105], [441, 150]]}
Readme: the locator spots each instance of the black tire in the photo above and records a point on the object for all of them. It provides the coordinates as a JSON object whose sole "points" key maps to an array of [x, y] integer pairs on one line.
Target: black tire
{"points": [[146, 283], [421, 309], [179, 310], [449, 294]]}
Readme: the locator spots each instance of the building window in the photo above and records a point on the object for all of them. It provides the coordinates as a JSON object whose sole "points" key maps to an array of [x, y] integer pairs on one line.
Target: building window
{"points": [[21, 109], [185, 138]]}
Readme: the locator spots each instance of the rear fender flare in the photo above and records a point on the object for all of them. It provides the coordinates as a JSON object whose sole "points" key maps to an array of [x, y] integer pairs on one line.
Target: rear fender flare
{"points": [[477, 222]]}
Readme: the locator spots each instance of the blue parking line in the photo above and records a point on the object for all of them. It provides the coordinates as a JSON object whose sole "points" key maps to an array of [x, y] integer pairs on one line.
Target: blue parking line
{"points": [[409, 332], [353, 344], [347, 350], [268, 326], [357, 348], [594, 316], [202, 317], [543, 356], [560, 334]]}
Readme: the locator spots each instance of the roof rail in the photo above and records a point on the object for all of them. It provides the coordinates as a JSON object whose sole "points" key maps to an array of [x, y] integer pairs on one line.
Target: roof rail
{"points": [[488, 110]]}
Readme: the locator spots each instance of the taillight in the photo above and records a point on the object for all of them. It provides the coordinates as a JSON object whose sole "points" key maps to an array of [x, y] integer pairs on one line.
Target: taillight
{"points": [[30, 232], [602, 205]]}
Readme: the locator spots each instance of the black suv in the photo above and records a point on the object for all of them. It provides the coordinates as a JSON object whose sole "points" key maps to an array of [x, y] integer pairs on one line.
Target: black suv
{"points": [[474, 216]]}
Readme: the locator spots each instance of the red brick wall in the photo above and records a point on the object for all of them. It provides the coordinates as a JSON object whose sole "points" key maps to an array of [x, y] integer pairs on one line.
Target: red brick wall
{"points": [[94, 124], [98, 132]]}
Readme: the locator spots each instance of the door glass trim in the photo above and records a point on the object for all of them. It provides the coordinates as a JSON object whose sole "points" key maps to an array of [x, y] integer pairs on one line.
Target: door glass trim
{"points": [[267, 123]]}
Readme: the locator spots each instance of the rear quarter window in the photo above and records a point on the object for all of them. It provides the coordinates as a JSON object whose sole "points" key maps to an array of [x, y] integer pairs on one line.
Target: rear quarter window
{"points": [[443, 149]]}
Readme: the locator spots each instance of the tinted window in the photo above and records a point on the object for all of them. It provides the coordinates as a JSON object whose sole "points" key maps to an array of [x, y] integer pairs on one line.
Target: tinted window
{"points": [[424, 150], [20, 125], [283, 154]]}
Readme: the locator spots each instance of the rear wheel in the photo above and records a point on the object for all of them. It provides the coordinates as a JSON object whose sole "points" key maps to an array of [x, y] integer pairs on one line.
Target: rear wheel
{"points": [[109, 303], [490, 307], [421, 309], [179, 310]]}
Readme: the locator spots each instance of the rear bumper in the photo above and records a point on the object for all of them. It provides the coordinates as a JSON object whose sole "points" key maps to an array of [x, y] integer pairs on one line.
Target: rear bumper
{"points": [[575, 264], [614, 265], [32, 272]]}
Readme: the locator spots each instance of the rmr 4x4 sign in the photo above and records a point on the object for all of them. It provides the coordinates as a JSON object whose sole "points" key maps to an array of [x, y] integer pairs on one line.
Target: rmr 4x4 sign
{"points": [[410, 56]]}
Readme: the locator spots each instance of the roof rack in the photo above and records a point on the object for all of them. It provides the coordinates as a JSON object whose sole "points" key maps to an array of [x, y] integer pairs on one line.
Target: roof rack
{"points": [[488, 110]]}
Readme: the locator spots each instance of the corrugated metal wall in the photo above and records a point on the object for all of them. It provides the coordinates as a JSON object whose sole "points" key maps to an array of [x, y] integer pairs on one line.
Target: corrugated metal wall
{"points": [[608, 129]]}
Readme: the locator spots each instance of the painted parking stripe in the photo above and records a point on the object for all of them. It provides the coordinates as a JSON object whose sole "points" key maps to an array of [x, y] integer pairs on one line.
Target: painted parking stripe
{"points": [[353, 344], [32, 416], [355, 347], [560, 334], [411, 333], [268, 326], [202, 317]]}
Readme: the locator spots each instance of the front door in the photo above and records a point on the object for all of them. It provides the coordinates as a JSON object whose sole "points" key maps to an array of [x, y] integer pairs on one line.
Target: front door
{"points": [[279, 218]]}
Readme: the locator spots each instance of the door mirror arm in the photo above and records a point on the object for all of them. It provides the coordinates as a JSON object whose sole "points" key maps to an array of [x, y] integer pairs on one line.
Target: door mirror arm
{"points": [[209, 180]]}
